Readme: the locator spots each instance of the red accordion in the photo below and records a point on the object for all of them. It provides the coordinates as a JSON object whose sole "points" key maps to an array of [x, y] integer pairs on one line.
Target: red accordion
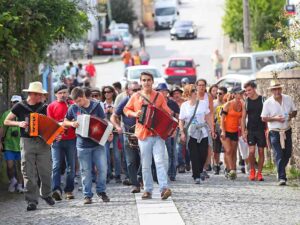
{"points": [[158, 121], [94, 128], [46, 128]]}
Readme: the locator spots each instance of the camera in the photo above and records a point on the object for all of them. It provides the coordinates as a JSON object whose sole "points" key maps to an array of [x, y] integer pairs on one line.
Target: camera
{"points": [[14, 133]]}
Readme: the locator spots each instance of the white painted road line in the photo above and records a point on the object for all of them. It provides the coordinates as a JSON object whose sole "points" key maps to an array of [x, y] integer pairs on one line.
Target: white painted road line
{"points": [[156, 211]]}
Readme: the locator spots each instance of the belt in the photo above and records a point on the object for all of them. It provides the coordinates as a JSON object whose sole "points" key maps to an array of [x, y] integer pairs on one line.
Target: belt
{"points": [[282, 135]]}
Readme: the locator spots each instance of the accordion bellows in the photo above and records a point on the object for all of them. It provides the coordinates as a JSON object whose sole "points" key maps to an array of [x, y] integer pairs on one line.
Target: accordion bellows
{"points": [[94, 128], [46, 128]]}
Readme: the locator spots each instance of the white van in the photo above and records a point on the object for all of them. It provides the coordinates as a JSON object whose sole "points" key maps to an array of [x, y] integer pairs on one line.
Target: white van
{"points": [[251, 63], [165, 13]]}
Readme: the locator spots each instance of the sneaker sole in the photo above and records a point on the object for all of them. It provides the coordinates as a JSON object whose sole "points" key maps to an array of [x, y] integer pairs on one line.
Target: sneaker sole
{"points": [[56, 196]]}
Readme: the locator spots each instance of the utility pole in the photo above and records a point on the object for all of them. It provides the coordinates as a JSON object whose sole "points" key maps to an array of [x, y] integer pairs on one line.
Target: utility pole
{"points": [[109, 11], [246, 26]]}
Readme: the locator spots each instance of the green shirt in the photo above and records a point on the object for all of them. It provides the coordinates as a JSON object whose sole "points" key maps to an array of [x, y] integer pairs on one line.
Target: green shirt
{"points": [[10, 143]]}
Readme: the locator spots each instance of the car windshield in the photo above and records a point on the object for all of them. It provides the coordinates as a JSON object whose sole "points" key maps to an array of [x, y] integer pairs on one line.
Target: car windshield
{"points": [[110, 38], [182, 24], [263, 61], [136, 73], [239, 63], [165, 11], [180, 63]]}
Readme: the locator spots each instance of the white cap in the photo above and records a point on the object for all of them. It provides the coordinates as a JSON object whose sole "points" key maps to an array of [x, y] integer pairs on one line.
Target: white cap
{"points": [[16, 98]]}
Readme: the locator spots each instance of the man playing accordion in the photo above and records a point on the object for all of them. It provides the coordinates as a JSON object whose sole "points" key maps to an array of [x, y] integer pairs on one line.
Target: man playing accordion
{"points": [[150, 144]]}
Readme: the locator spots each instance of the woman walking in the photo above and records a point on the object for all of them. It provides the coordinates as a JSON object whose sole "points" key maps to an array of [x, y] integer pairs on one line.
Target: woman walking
{"points": [[193, 124], [231, 115]]}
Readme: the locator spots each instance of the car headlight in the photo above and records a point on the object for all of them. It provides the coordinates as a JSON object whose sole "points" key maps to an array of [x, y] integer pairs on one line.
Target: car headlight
{"points": [[100, 46], [191, 30], [114, 46], [172, 31]]}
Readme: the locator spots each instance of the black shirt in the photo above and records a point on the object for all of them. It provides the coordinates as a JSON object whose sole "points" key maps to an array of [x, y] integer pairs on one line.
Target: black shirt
{"points": [[173, 106], [22, 112], [254, 109]]}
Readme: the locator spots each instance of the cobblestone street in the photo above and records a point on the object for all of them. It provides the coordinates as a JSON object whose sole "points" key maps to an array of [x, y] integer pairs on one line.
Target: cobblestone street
{"points": [[216, 201]]}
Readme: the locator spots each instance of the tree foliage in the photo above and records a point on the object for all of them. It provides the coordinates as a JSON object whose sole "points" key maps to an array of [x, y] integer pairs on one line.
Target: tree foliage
{"points": [[288, 40], [264, 14], [28, 28], [122, 11]]}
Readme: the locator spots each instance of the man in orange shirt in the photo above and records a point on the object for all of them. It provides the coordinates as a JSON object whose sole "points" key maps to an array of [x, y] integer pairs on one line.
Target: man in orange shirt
{"points": [[149, 143], [126, 56]]}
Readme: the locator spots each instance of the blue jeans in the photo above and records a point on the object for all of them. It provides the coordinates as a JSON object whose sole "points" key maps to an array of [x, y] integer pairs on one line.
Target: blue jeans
{"points": [[63, 150], [133, 163], [281, 156], [117, 157], [153, 146], [123, 155], [171, 147], [87, 157], [181, 160]]}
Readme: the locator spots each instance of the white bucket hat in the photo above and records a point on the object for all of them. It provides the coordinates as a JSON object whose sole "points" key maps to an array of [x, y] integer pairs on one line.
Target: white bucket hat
{"points": [[16, 98], [36, 87]]}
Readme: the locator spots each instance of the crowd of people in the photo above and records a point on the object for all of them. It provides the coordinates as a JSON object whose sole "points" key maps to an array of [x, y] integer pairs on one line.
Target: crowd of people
{"points": [[211, 121]]}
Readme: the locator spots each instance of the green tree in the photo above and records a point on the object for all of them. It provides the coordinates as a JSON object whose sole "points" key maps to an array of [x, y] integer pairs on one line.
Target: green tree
{"points": [[264, 14], [28, 28], [122, 11]]}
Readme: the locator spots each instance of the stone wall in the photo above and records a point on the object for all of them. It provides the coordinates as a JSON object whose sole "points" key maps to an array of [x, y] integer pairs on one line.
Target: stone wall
{"points": [[291, 81]]}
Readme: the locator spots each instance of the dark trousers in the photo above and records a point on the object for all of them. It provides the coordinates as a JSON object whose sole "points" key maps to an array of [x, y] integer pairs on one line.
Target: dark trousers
{"points": [[198, 153], [133, 163], [281, 156]]}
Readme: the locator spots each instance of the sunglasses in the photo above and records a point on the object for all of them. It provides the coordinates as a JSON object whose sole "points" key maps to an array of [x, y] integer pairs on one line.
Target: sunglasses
{"points": [[136, 90], [193, 90], [95, 96], [105, 92], [219, 93]]}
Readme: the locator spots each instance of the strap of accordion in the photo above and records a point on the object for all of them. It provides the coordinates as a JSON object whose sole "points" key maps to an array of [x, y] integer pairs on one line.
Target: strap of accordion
{"points": [[91, 111], [147, 100], [39, 109]]}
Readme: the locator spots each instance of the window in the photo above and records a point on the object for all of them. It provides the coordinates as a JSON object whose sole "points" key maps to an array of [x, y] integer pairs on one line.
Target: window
{"points": [[165, 11], [262, 61], [181, 63], [239, 63]]}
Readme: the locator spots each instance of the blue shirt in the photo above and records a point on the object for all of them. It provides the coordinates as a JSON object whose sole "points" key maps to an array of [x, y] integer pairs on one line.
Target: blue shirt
{"points": [[75, 110], [128, 121]]}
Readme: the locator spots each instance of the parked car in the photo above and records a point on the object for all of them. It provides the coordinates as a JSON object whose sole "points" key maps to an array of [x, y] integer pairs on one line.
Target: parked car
{"points": [[183, 29], [179, 68], [110, 44], [278, 67], [133, 73], [165, 14], [251, 63], [234, 80], [126, 36]]}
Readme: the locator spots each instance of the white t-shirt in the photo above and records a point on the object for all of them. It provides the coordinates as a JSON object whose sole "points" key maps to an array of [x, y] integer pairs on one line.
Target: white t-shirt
{"points": [[187, 111], [81, 76], [272, 108]]}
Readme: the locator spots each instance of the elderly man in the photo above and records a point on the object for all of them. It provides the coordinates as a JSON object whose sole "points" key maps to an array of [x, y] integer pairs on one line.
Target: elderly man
{"points": [[36, 154], [278, 110]]}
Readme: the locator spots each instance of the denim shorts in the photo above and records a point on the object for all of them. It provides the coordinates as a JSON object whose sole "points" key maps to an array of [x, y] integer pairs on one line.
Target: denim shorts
{"points": [[12, 155]]}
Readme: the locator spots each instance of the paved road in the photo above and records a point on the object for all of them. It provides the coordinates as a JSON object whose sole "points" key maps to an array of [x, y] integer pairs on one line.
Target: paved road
{"points": [[216, 201], [207, 15]]}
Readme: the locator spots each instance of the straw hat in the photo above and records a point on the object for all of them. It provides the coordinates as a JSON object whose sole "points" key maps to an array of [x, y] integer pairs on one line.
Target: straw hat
{"points": [[35, 87], [275, 84]]}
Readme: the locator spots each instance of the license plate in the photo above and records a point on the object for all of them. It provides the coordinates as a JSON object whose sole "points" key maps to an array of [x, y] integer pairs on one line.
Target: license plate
{"points": [[107, 49], [180, 71], [181, 35]]}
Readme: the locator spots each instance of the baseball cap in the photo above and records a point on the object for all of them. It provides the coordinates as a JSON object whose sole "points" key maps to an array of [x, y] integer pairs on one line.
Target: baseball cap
{"points": [[60, 87], [16, 98]]}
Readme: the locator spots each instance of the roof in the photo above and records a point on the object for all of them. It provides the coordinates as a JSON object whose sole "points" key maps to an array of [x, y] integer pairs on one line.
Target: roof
{"points": [[187, 59], [143, 67]]}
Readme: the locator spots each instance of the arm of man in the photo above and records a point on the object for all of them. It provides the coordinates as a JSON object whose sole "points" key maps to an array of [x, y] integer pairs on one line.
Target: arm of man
{"points": [[266, 117], [243, 123], [129, 108], [69, 120], [10, 120]]}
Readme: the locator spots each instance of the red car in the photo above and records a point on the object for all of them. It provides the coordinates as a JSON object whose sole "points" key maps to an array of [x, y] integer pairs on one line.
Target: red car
{"points": [[110, 44], [180, 68]]}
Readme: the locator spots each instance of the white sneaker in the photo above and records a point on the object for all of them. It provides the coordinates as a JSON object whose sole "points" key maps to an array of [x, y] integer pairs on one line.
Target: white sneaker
{"points": [[20, 188], [12, 185]]}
